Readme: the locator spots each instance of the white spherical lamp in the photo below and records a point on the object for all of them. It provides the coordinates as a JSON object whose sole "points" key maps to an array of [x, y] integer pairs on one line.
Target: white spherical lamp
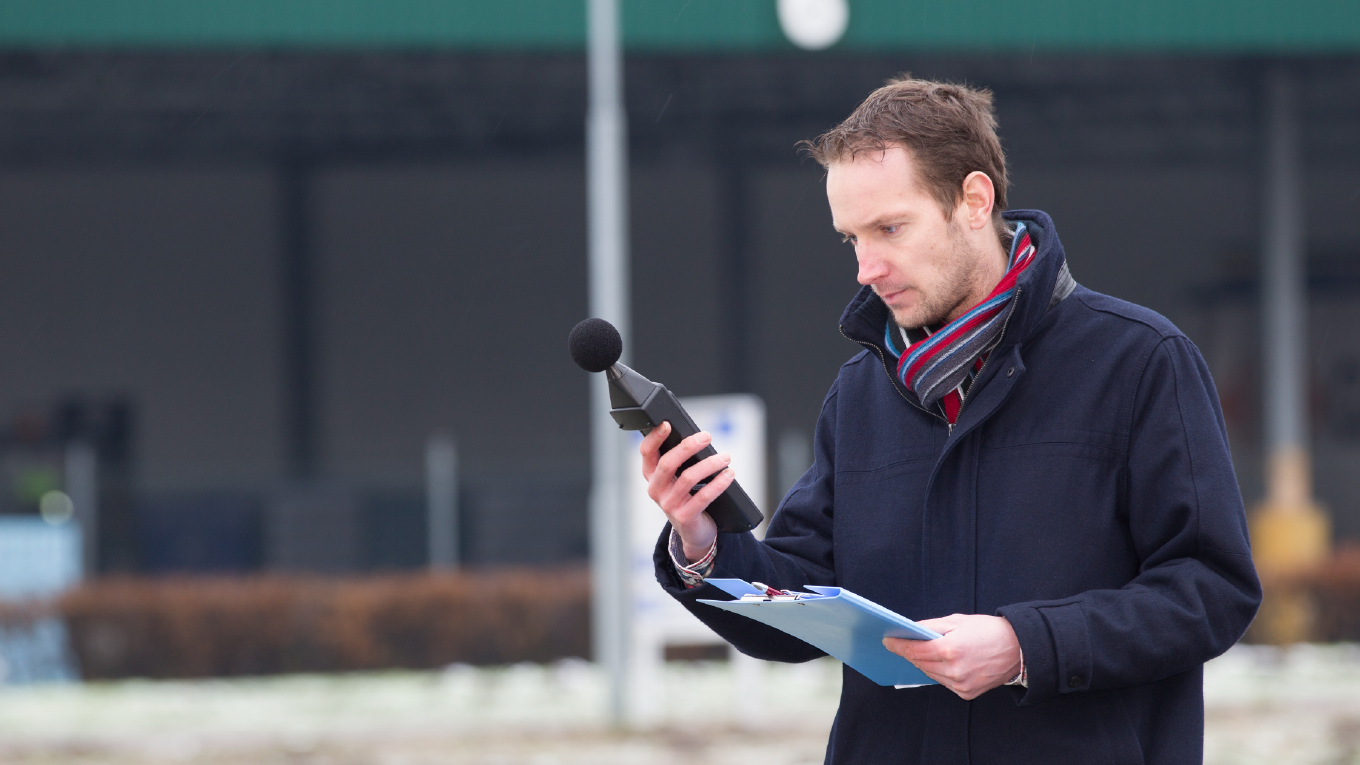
{"points": [[814, 24]]}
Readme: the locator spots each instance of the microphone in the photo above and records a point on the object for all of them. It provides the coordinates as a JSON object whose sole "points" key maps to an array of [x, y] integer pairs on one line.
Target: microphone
{"points": [[595, 345], [637, 403]]}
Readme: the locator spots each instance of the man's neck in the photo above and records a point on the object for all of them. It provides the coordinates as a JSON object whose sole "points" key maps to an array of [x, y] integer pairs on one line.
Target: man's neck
{"points": [[993, 257]]}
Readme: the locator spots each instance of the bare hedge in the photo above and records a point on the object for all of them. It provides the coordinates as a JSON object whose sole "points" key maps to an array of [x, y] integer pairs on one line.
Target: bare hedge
{"points": [[271, 624], [1335, 588], [1328, 596], [213, 627]]}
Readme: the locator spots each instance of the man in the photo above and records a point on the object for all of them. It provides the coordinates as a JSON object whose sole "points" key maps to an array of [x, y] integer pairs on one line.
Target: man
{"points": [[1037, 471]]}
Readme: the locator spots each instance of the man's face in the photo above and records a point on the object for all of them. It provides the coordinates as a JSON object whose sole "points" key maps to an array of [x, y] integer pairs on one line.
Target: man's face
{"points": [[917, 261]]}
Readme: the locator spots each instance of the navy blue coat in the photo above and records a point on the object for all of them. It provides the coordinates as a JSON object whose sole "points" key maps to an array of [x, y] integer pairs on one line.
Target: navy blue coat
{"points": [[1086, 494]]}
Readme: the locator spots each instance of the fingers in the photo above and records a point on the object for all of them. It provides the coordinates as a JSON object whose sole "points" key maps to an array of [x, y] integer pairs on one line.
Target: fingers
{"points": [[663, 476], [671, 461], [672, 492], [934, 670], [943, 672], [897, 646], [945, 624], [918, 651], [683, 507], [697, 472], [651, 448], [705, 496], [977, 653], [937, 658]]}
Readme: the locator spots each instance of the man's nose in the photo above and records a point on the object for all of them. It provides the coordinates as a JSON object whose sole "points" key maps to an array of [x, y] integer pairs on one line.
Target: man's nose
{"points": [[871, 267]]}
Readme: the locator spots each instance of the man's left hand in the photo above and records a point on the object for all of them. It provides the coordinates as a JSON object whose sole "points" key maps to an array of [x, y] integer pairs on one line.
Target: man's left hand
{"points": [[976, 654]]}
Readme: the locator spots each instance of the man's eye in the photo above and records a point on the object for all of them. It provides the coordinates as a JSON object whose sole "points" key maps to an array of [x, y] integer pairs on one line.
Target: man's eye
{"points": [[892, 229], [848, 239]]}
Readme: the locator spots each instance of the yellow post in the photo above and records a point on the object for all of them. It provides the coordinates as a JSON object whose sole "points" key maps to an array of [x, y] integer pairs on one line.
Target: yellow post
{"points": [[1289, 532], [1290, 535]]}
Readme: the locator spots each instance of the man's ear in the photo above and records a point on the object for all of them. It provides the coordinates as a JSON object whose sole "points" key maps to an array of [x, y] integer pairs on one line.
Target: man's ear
{"points": [[979, 196]]}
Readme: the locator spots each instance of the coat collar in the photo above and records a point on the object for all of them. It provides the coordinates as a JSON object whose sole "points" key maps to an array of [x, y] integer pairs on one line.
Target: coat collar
{"points": [[866, 316]]}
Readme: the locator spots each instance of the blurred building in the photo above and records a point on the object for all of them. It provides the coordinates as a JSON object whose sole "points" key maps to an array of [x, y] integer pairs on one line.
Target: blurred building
{"points": [[298, 239]]}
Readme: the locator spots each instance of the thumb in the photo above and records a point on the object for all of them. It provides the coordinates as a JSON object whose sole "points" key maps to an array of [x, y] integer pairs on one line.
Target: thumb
{"points": [[943, 625], [900, 646]]}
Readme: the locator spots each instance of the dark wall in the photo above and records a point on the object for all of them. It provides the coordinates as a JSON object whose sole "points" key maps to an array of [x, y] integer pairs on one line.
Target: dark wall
{"points": [[447, 217], [155, 282], [445, 291]]}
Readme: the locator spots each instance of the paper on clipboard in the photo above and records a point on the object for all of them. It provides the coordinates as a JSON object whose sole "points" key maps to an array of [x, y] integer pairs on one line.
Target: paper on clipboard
{"points": [[837, 621]]}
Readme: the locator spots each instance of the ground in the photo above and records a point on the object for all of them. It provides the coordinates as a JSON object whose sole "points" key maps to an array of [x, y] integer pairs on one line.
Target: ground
{"points": [[1264, 705]]}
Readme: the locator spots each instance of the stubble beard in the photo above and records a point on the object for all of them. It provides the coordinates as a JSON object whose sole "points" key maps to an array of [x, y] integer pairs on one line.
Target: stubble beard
{"points": [[952, 297]]}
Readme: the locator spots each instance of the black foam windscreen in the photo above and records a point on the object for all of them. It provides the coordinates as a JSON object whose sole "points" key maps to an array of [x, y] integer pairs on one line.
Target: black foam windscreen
{"points": [[595, 345]]}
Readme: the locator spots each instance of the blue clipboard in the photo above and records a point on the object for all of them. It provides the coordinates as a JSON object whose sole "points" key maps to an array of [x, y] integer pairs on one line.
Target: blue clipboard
{"points": [[838, 622]]}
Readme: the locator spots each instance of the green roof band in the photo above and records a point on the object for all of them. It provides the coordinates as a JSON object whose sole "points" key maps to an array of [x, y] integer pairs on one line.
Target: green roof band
{"points": [[1216, 26]]}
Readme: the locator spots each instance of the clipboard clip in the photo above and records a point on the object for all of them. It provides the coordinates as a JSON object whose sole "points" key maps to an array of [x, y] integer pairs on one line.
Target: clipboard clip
{"points": [[770, 593]]}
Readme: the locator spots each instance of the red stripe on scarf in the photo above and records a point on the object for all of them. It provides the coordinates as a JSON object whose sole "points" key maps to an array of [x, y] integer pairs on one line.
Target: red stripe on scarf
{"points": [[1007, 282]]}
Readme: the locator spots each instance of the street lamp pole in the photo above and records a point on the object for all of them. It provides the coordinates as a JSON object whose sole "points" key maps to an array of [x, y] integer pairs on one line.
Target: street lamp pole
{"points": [[1289, 531], [607, 199]]}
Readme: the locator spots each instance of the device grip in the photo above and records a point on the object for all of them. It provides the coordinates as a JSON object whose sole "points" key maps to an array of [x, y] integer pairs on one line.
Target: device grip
{"points": [[732, 511]]}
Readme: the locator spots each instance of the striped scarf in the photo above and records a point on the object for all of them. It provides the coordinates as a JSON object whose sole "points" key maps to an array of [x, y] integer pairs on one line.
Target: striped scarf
{"points": [[937, 365]]}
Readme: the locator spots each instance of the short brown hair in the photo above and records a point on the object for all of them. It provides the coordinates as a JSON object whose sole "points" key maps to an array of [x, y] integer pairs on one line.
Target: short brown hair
{"points": [[949, 129]]}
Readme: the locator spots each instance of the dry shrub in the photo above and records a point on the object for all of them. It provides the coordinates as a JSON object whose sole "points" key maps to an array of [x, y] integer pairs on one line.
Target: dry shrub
{"points": [[22, 614], [197, 627], [1335, 588], [1321, 604]]}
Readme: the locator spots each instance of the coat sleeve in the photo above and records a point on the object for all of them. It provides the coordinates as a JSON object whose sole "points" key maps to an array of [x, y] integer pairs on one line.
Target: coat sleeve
{"points": [[796, 551], [1196, 590]]}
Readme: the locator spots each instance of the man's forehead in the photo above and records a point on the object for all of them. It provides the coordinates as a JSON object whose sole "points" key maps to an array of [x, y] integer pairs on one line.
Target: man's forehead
{"points": [[870, 188], [875, 155], [892, 166]]}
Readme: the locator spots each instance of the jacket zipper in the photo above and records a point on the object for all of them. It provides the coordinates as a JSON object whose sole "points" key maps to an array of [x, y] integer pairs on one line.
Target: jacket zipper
{"points": [[1004, 324]]}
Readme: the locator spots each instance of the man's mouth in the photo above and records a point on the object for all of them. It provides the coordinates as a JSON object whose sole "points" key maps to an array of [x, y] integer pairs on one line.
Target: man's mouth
{"points": [[888, 296]]}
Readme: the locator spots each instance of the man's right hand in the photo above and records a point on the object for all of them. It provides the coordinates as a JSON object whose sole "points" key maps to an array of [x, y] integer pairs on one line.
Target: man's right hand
{"points": [[671, 492]]}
